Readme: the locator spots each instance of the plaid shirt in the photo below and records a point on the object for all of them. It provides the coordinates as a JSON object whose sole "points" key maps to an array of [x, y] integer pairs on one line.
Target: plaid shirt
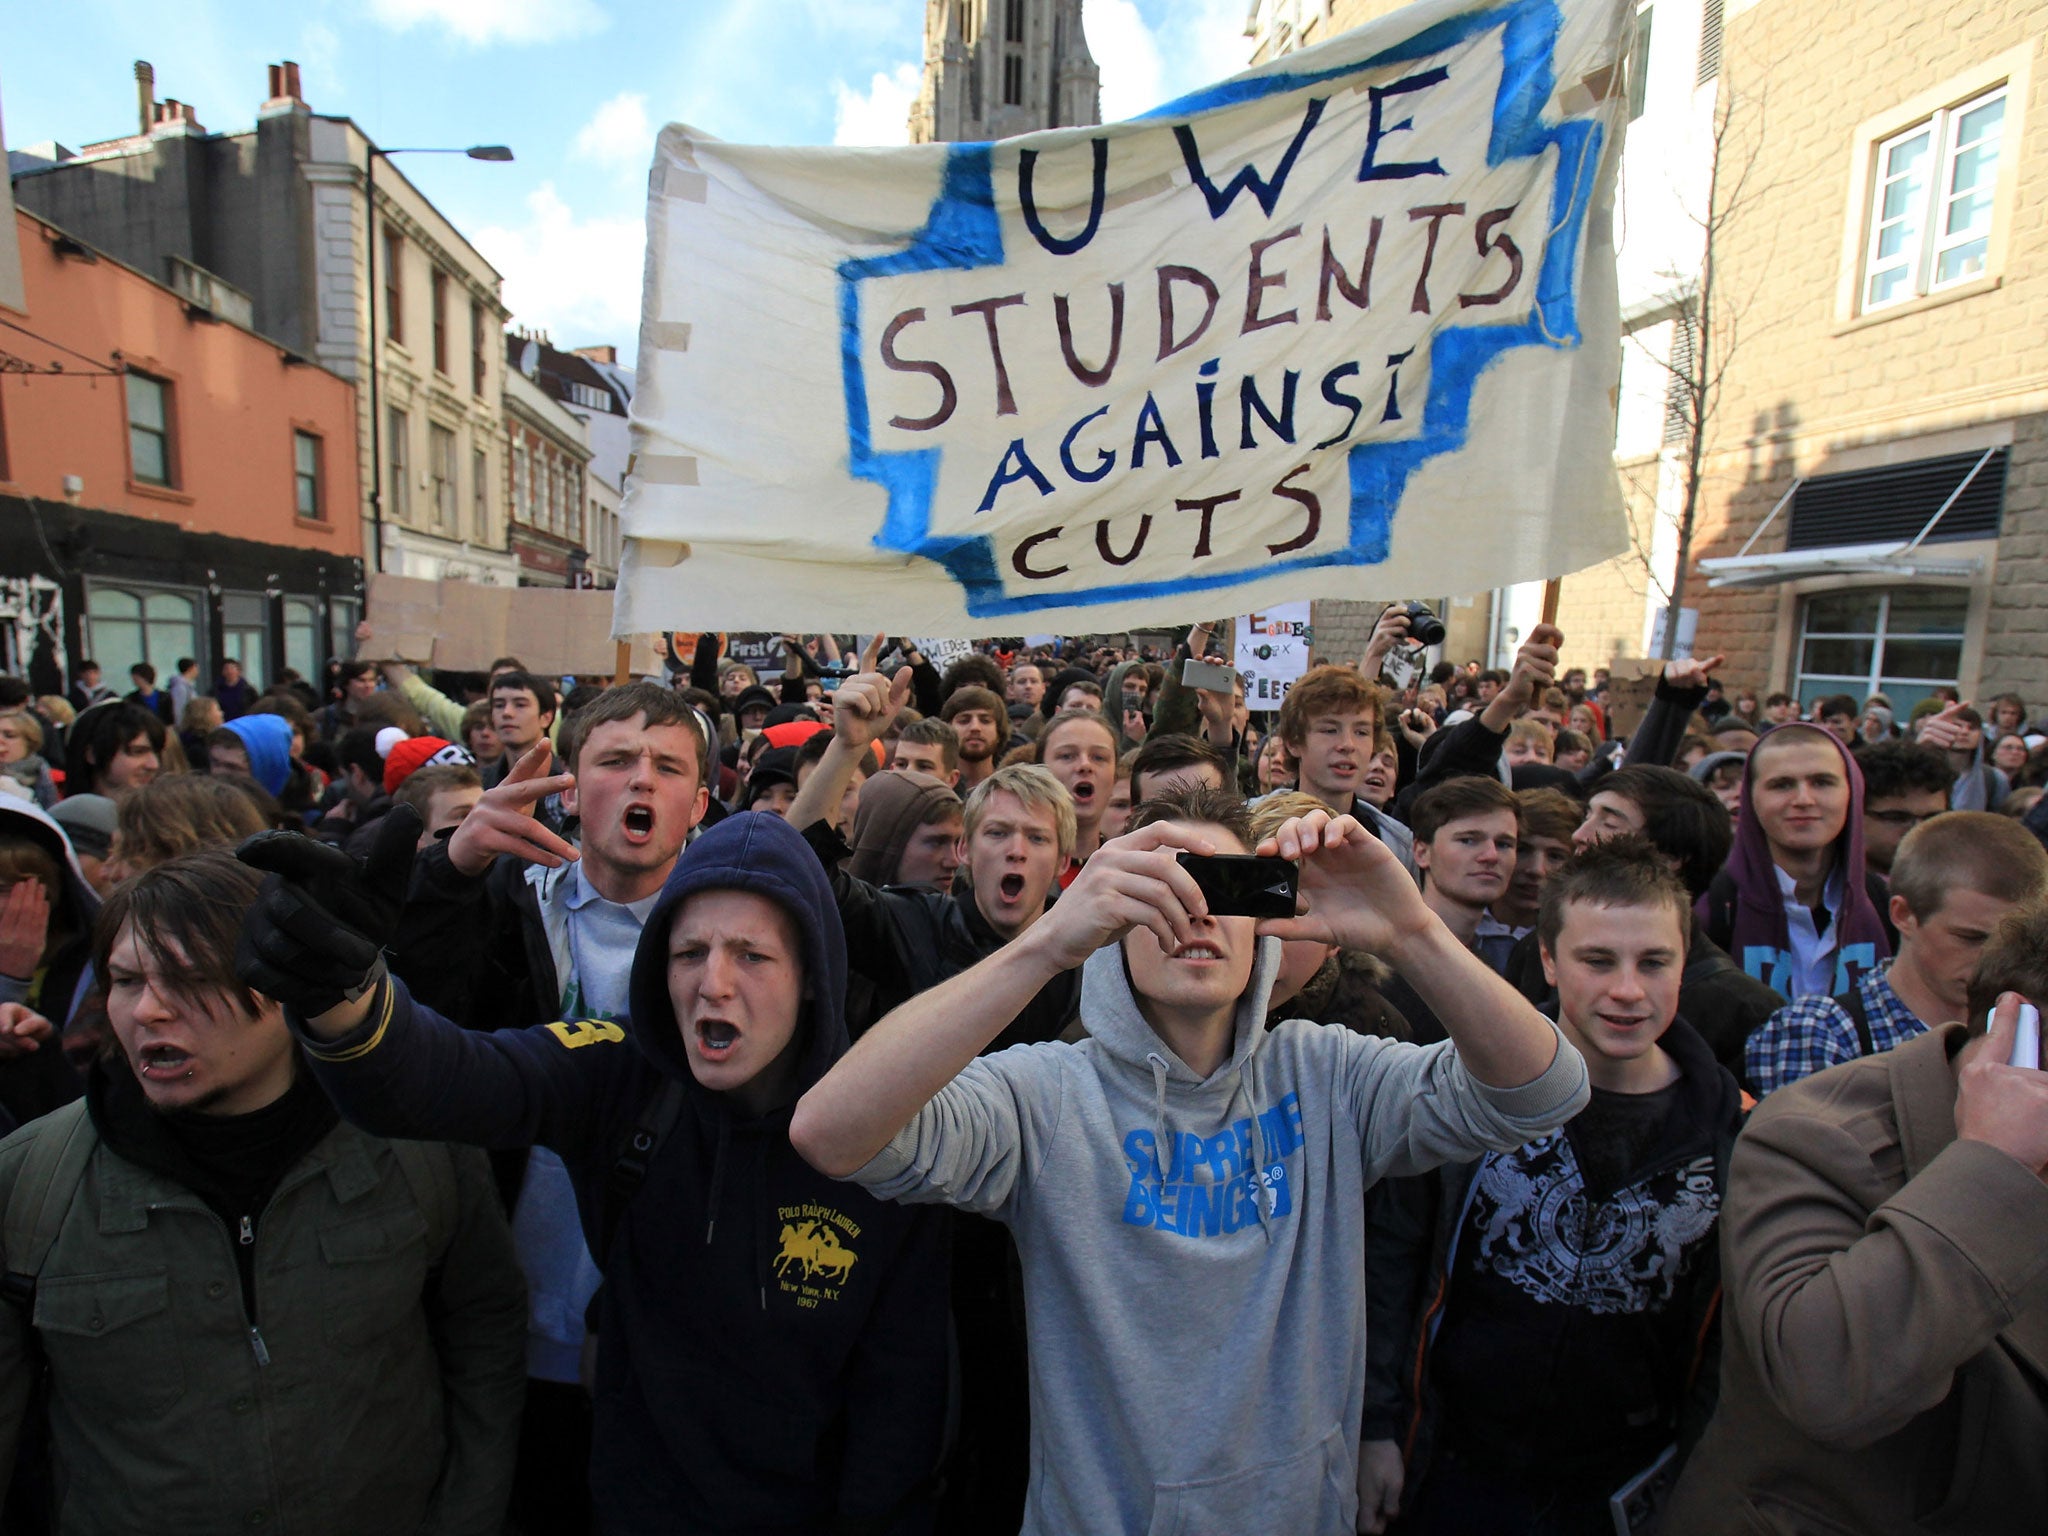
{"points": [[1816, 1033]]}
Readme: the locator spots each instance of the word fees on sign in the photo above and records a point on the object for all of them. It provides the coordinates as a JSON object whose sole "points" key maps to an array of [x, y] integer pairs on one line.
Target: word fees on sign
{"points": [[1345, 322], [1272, 653]]}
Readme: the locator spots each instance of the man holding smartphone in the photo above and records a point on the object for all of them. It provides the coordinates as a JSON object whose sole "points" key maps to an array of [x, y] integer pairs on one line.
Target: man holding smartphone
{"points": [[1886, 1302], [1186, 1188]]}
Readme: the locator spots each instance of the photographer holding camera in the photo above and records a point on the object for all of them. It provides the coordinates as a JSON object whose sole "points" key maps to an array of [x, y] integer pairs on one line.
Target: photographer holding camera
{"points": [[1216, 1255]]}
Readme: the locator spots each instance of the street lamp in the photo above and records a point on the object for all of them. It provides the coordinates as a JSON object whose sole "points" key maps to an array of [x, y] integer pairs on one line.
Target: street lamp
{"points": [[495, 152]]}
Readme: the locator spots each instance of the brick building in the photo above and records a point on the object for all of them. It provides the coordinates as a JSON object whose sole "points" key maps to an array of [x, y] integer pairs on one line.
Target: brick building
{"points": [[171, 483], [279, 213], [1895, 276], [1874, 496], [546, 447]]}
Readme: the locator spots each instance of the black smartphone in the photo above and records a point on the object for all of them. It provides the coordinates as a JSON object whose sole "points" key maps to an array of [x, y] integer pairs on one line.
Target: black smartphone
{"points": [[1238, 885]]}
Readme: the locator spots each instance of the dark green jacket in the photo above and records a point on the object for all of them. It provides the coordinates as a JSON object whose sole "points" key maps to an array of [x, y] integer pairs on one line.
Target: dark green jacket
{"points": [[380, 1389]]}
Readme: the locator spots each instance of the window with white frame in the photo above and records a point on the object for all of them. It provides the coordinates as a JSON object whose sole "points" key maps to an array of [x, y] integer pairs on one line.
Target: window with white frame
{"points": [[1932, 192], [302, 636], [245, 634], [130, 623], [1903, 642], [441, 474], [343, 613]]}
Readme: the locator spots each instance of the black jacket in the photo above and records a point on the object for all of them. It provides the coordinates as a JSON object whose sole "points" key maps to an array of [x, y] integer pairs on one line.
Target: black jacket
{"points": [[772, 1342], [1620, 1357]]}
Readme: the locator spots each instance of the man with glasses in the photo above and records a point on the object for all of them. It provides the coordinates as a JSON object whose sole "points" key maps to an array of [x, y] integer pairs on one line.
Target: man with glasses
{"points": [[1903, 785]]}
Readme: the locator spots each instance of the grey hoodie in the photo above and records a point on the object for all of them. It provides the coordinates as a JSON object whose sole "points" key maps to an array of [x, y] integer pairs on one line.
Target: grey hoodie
{"points": [[1198, 1339]]}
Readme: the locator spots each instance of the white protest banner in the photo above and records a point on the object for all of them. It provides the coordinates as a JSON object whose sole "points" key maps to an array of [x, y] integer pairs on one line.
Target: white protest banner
{"points": [[1272, 653], [1351, 309]]}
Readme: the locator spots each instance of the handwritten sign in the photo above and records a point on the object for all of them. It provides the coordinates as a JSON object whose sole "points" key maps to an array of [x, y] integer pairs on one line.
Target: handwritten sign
{"points": [[1272, 653], [462, 627], [1353, 308]]}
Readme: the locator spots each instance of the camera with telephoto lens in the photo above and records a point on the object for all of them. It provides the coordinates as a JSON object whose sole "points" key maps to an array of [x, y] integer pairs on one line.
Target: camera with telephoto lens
{"points": [[1424, 627]]}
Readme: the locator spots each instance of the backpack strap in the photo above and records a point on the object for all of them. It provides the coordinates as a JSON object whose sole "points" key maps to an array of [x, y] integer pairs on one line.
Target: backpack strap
{"points": [[629, 1171], [1851, 1002], [42, 1195], [429, 1167]]}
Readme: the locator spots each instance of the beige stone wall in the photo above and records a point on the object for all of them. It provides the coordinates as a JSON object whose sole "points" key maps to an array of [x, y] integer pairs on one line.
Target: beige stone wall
{"points": [[1601, 610], [1808, 382]]}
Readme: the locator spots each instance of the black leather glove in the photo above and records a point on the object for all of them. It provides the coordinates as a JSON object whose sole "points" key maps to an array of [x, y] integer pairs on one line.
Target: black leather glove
{"points": [[315, 937]]}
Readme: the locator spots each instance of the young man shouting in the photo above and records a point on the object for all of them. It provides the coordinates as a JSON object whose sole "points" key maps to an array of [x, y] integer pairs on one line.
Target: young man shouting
{"points": [[1953, 882], [252, 1315], [901, 942], [1550, 1300], [771, 1349], [1185, 1186]]}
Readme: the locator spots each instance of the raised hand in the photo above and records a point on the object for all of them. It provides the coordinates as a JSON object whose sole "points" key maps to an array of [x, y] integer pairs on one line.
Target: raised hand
{"points": [[863, 706], [504, 822], [22, 1030], [1389, 634], [2002, 1105], [24, 928], [1354, 892], [1417, 725], [316, 935], [1535, 670], [871, 653], [1691, 674], [1135, 881], [1945, 731]]}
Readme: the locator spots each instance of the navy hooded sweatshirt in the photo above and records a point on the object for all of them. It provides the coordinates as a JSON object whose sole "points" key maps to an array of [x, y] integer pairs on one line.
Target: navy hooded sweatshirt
{"points": [[772, 1343]]}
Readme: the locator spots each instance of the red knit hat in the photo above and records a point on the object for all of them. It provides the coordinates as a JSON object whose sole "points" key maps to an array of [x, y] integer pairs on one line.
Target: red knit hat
{"points": [[417, 752]]}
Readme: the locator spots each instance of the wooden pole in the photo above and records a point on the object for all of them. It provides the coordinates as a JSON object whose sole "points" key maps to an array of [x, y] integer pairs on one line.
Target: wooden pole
{"points": [[1552, 589], [622, 671]]}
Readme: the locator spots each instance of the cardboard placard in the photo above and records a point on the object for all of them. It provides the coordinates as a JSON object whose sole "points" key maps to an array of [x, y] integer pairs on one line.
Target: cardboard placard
{"points": [[462, 627], [1631, 685]]}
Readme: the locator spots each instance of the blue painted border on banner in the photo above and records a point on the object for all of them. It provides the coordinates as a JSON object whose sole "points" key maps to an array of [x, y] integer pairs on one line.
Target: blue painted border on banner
{"points": [[963, 232]]}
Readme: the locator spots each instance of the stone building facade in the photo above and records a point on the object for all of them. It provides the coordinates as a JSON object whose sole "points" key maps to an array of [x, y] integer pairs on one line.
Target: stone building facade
{"points": [[994, 68], [279, 213], [1894, 273]]}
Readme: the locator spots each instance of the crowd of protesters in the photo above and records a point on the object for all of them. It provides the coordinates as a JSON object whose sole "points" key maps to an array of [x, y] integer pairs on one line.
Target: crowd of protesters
{"points": [[836, 1099]]}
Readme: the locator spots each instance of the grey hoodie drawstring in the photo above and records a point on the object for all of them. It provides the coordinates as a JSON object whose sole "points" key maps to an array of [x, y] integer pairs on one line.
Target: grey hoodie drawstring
{"points": [[1159, 1110], [1261, 1196]]}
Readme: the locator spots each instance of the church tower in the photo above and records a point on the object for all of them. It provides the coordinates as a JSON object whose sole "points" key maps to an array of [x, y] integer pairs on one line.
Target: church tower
{"points": [[993, 68]]}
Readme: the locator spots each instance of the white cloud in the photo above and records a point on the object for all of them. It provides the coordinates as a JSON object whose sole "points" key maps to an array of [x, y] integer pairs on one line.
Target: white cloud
{"points": [[1198, 43], [619, 133], [481, 22], [1127, 57], [577, 279], [879, 115]]}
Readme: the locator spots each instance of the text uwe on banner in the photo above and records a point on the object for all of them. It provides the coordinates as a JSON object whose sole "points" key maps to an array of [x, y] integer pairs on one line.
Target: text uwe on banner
{"points": [[1345, 321]]}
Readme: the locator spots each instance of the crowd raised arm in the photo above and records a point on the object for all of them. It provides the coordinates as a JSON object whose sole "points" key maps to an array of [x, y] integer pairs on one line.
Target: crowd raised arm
{"points": [[830, 1087]]}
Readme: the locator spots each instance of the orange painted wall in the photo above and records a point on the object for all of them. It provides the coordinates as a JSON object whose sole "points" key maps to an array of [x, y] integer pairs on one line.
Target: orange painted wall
{"points": [[235, 405]]}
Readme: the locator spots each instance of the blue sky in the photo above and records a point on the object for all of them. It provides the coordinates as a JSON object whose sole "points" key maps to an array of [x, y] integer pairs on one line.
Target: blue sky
{"points": [[578, 88]]}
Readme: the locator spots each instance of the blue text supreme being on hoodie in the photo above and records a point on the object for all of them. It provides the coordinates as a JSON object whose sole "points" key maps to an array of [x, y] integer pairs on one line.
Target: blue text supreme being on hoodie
{"points": [[1194, 1248], [772, 1344]]}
